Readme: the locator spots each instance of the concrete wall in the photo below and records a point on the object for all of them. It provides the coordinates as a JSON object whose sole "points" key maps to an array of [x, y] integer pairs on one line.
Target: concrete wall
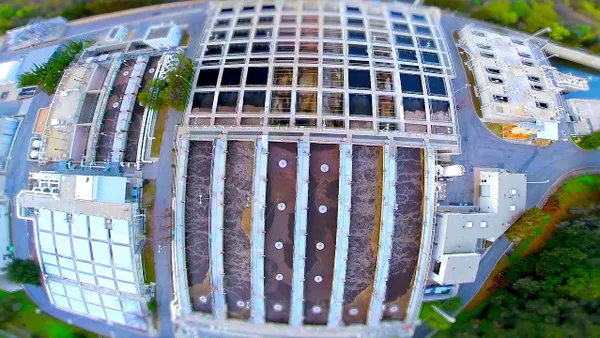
{"points": [[574, 55]]}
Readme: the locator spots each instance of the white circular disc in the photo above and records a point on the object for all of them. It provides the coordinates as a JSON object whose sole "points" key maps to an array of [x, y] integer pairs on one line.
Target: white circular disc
{"points": [[151, 71], [394, 309], [320, 246], [324, 168], [278, 245], [279, 276], [316, 309], [282, 164], [277, 307], [125, 73], [240, 303], [318, 279], [203, 299], [281, 206], [353, 311], [322, 209], [115, 105]]}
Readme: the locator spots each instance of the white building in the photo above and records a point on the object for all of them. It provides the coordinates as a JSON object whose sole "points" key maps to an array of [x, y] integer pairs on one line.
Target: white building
{"points": [[460, 238], [87, 240], [9, 71], [117, 34], [163, 36], [513, 85]]}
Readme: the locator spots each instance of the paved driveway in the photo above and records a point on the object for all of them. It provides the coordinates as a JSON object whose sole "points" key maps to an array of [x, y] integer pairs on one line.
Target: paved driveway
{"points": [[545, 167], [19, 168], [163, 173], [481, 148]]}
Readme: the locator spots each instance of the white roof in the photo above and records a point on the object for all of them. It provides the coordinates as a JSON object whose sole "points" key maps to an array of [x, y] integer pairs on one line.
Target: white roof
{"points": [[460, 268], [8, 71], [79, 255], [85, 187], [89, 302], [94, 273], [550, 131]]}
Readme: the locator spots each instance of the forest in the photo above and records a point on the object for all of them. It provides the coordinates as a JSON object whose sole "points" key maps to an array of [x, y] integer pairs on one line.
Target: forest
{"points": [[553, 293], [15, 13]]}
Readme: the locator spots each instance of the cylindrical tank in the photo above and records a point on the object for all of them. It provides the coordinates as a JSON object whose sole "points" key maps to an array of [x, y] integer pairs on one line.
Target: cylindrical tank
{"points": [[34, 154], [36, 144]]}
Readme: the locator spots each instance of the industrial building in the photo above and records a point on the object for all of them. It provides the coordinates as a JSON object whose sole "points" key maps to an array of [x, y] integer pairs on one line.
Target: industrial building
{"points": [[462, 235], [163, 36], [513, 84], [305, 171], [87, 232], [95, 118]]}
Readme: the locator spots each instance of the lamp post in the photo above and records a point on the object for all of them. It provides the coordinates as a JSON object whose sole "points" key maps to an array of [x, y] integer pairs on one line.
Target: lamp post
{"points": [[467, 85], [539, 182], [184, 79], [541, 31]]}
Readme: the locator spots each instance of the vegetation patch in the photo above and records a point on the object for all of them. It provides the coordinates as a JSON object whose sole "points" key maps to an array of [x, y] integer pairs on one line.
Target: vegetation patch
{"points": [[17, 13], [573, 207], [49, 74], [174, 90], [23, 271], [433, 318], [148, 195], [552, 293], [532, 16], [495, 128], [26, 322], [159, 129], [588, 142]]}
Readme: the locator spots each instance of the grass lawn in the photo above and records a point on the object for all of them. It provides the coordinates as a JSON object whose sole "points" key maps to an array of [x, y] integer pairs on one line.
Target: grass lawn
{"points": [[159, 129], [470, 78], [579, 192], [495, 128], [148, 204], [185, 40], [40, 325]]}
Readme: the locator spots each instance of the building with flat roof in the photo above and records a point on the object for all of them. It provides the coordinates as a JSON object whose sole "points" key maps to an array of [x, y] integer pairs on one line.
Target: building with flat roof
{"points": [[305, 169], [461, 236], [163, 36], [511, 84], [324, 68], [88, 242]]}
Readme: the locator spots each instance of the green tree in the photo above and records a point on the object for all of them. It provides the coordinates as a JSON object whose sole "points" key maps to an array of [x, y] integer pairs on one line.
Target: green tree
{"points": [[49, 74], [23, 271], [526, 286], [179, 83], [152, 98], [559, 32], [542, 15], [498, 11], [525, 226], [521, 8], [555, 294], [457, 5]]}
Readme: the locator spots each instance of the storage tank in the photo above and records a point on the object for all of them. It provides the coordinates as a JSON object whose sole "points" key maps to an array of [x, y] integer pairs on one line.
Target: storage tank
{"points": [[34, 154], [36, 144]]}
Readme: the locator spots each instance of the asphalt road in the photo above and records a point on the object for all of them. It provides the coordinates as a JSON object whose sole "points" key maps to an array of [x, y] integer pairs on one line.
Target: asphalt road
{"points": [[19, 168], [161, 171], [545, 167], [99, 28]]}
